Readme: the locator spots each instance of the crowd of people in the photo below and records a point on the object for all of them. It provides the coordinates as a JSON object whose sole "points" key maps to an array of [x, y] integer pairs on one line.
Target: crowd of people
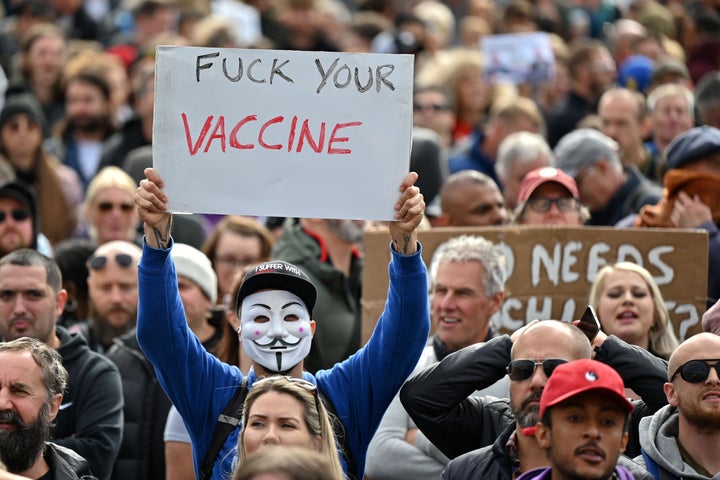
{"points": [[146, 345]]}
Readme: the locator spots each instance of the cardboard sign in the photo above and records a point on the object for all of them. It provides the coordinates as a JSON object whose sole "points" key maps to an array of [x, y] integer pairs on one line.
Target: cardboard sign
{"points": [[280, 133], [552, 269], [518, 58]]}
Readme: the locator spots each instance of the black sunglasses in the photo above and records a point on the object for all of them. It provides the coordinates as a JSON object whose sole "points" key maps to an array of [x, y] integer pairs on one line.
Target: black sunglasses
{"points": [[696, 371], [520, 370], [99, 262], [18, 214], [107, 206]]}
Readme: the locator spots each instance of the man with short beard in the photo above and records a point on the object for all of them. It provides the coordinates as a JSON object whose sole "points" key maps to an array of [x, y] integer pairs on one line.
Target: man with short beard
{"points": [[503, 430], [681, 440], [113, 293], [328, 251], [32, 381], [83, 135]]}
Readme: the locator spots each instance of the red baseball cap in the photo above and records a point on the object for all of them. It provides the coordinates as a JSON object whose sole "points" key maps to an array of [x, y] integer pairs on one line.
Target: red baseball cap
{"points": [[540, 176], [580, 376]]}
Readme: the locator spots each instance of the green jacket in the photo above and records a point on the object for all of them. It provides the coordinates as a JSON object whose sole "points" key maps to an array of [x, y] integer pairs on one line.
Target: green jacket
{"points": [[337, 311]]}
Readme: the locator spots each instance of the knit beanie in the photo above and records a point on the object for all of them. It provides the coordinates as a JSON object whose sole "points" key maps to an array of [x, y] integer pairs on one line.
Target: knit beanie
{"points": [[193, 264], [23, 103]]}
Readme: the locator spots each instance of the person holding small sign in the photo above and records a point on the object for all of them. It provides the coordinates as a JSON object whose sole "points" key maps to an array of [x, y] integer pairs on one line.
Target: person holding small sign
{"points": [[275, 304]]}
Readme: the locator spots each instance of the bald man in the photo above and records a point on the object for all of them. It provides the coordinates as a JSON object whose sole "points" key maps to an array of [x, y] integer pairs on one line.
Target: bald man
{"points": [[113, 293], [469, 198], [681, 439]]}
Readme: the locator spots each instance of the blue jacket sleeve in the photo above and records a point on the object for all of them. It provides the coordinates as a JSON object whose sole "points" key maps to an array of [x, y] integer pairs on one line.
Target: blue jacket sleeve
{"points": [[362, 387], [197, 383]]}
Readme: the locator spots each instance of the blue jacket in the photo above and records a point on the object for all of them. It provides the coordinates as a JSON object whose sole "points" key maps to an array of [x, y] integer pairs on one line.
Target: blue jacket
{"points": [[200, 386]]}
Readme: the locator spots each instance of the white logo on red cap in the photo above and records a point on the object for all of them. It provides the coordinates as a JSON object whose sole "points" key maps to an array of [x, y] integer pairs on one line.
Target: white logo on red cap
{"points": [[591, 376]]}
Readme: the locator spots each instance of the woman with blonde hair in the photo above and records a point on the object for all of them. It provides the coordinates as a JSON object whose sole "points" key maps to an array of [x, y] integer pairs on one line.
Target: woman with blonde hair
{"points": [[286, 463], [110, 208], [629, 305], [289, 412]]}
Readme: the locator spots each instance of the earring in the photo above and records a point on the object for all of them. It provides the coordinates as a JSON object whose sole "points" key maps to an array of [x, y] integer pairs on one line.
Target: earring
{"points": [[71, 305]]}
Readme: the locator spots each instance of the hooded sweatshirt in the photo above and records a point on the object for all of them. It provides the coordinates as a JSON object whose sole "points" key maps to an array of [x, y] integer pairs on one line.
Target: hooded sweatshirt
{"points": [[546, 474], [659, 447]]}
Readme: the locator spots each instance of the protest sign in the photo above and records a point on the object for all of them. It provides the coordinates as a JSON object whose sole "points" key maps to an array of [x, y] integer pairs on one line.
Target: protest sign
{"points": [[280, 133], [552, 269], [518, 58]]}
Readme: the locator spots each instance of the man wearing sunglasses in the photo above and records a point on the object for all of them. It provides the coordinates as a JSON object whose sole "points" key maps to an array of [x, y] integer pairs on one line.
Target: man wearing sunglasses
{"points": [[19, 223], [275, 306], [438, 398], [113, 293], [681, 440]]}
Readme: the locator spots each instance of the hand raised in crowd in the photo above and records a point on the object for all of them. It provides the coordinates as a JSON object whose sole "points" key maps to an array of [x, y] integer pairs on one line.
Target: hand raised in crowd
{"points": [[152, 207], [409, 211], [689, 212]]}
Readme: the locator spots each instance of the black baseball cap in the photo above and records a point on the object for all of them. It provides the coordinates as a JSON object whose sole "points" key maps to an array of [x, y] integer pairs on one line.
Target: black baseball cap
{"points": [[278, 275]]}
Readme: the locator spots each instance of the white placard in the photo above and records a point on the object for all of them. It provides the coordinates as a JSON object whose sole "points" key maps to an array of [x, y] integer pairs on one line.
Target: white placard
{"points": [[281, 133], [518, 58]]}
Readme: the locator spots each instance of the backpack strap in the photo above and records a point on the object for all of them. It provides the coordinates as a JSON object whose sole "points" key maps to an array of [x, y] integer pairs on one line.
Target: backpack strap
{"points": [[227, 421]]}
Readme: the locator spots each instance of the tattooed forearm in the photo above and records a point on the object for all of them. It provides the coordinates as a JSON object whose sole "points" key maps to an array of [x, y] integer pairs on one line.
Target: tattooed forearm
{"points": [[163, 239], [402, 246]]}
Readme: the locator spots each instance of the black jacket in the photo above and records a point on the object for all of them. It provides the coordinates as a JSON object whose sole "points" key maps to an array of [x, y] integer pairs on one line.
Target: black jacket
{"points": [[494, 463], [438, 398], [65, 464], [90, 419], [142, 454]]}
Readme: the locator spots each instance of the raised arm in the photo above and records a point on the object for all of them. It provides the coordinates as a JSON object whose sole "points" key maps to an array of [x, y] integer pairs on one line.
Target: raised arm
{"points": [[409, 211], [438, 398], [152, 207]]}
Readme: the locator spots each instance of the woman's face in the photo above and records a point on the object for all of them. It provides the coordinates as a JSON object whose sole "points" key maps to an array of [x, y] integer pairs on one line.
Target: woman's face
{"points": [[45, 60], [113, 215], [626, 307], [21, 138], [277, 419], [233, 253]]}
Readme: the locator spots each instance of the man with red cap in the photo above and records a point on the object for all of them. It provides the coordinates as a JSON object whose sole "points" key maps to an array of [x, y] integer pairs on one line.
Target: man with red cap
{"points": [[583, 423], [549, 196]]}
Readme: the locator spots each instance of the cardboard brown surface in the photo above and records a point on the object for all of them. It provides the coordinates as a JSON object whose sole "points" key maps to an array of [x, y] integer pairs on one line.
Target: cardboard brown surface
{"points": [[552, 269]]}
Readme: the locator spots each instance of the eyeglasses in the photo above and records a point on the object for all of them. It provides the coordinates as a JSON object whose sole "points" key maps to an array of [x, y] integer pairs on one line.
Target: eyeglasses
{"points": [[236, 262], [18, 214], [520, 370], [435, 107], [99, 262], [105, 207], [542, 204], [696, 371]]}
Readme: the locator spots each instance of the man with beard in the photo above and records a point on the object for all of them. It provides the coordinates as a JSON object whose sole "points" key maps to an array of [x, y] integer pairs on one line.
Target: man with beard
{"points": [[19, 224], [328, 252], [503, 430], [275, 306], [113, 293], [583, 424], [592, 71], [88, 124], [681, 439], [89, 420], [32, 382]]}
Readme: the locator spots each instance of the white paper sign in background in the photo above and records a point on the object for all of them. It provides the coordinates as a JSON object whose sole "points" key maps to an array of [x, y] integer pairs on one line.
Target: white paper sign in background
{"points": [[281, 133], [518, 58]]}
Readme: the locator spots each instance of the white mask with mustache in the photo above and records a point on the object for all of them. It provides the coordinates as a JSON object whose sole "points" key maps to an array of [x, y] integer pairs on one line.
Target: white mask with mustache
{"points": [[276, 329]]}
